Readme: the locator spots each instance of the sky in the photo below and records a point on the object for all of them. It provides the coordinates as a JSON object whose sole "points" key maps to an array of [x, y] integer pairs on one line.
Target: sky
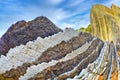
{"points": [[64, 13]]}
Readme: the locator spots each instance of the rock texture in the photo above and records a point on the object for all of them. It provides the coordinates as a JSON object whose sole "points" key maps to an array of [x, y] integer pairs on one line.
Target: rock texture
{"points": [[105, 67], [67, 55], [58, 57], [105, 22], [22, 32]]}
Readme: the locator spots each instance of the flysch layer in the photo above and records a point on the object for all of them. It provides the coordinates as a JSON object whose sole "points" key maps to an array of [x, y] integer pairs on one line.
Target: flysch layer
{"points": [[29, 53]]}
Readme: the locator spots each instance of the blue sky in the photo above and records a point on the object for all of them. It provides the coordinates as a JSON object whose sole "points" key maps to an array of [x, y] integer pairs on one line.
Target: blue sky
{"points": [[64, 13]]}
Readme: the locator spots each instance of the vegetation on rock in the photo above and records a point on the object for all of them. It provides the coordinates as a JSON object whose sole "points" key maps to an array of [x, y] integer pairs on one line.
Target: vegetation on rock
{"points": [[87, 29]]}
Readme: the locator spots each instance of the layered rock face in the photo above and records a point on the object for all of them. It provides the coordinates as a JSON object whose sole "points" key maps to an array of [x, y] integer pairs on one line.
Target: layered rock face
{"points": [[58, 57], [22, 32], [67, 55], [105, 22]]}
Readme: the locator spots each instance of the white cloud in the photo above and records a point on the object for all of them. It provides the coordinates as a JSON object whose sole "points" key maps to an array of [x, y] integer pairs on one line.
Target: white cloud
{"points": [[10, 5], [30, 12], [76, 22], [110, 2], [67, 25], [55, 2], [60, 16], [2, 31], [75, 2]]}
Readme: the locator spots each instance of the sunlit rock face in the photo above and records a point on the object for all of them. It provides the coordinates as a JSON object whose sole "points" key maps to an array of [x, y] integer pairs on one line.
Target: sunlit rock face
{"points": [[105, 22], [22, 32]]}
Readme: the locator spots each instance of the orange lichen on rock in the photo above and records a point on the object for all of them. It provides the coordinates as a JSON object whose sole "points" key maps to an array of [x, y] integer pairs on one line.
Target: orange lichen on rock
{"points": [[100, 77]]}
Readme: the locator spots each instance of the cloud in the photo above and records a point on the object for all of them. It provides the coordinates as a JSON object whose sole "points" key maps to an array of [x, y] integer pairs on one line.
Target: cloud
{"points": [[55, 2], [15, 11], [2, 31], [10, 5], [79, 17], [30, 12], [67, 25], [56, 14], [110, 2], [77, 22], [75, 2], [64, 13]]}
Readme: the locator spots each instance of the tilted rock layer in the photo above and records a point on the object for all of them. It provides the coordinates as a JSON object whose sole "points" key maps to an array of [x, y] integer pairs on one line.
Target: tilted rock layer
{"points": [[58, 57], [105, 22], [22, 32], [67, 55]]}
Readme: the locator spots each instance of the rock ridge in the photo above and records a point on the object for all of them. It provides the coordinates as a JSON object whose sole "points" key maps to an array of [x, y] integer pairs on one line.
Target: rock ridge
{"points": [[22, 32]]}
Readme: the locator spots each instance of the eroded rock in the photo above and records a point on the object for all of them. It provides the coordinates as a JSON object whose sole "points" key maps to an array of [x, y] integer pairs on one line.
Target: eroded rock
{"points": [[22, 32], [105, 22]]}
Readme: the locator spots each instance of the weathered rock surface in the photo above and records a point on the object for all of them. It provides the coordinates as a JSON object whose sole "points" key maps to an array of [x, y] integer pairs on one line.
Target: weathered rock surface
{"points": [[51, 58], [105, 22], [105, 67], [22, 32], [68, 55]]}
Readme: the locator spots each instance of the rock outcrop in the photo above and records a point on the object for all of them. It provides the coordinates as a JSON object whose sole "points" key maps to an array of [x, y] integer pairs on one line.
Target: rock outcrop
{"points": [[22, 32], [67, 55], [105, 22], [59, 57]]}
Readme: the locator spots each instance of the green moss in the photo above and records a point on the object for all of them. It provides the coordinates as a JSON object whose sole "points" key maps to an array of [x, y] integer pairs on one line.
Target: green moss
{"points": [[88, 29], [81, 29]]}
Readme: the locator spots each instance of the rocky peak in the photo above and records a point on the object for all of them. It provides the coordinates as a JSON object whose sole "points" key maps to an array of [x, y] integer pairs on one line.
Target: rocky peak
{"points": [[22, 32], [17, 25], [41, 18]]}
